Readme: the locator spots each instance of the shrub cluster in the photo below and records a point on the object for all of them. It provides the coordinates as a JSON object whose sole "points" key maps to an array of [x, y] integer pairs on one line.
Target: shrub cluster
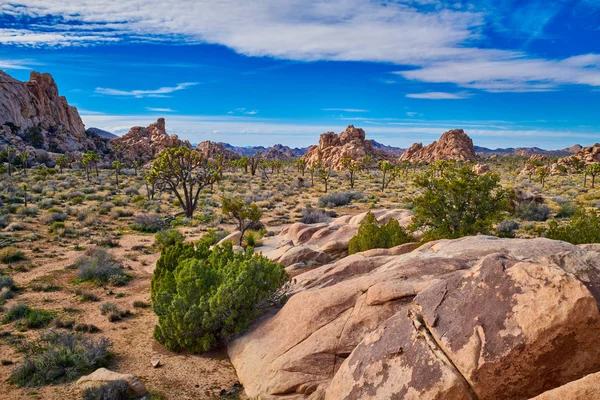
{"points": [[313, 216], [338, 199], [584, 227], [60, 357], [148, 223], [532, 211], [11, 254], [205, 296], [372, 236], [28, 317], [100, 266], [113, 390]]}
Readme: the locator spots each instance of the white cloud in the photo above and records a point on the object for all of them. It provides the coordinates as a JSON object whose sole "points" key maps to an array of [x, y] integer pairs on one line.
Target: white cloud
{"points": [[438, 96], [160, 92], [16, 64], [414, 114], [348, 110], [158, 109], [439, 41]]}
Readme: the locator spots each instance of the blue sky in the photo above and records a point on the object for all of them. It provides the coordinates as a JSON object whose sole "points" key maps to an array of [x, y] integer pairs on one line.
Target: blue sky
{"points": [[511, 73]]}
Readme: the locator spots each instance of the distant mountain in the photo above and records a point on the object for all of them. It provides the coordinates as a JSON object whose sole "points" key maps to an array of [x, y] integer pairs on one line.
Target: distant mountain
{"points": [[273, 150], [396, 151], [103, 134], [527, 151]]}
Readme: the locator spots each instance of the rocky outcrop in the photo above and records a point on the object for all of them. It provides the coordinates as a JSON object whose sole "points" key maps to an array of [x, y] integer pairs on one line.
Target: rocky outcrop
{"points": [[480, 168], [589, 155], [144, 144], [279, 152], [212, 150], [453, 145], [587, 388], [34, 114], [334, 148], [471, 318], [318, 244], [102, 375]]}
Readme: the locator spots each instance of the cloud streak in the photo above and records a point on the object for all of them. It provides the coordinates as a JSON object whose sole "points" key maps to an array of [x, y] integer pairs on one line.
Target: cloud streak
{"points": [[438, 96], [139, 94]]}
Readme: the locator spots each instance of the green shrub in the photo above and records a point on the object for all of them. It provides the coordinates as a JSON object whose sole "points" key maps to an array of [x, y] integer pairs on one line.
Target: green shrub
{"points": [[11, 254], [338, 199], [148, 223], [457, 202], [168, 237], [532, 211], [86, 296], [506, 228], [98, 265], [251, 239], [28, 317], [60, 357], [372, 236], [204, 297], [566, 210], [112, 390], [584, 227]]}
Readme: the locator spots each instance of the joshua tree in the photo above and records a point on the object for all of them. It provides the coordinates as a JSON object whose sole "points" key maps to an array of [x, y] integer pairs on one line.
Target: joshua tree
{"points": [[117, 166], [367, 163], [390, 173], [94, 158], [9, 155], [24, 159], [62, 161], [254, 162], [542, 173], [352, 166], [245, 214], [301, 165], [324, 173], [180, 168], [593, 170], [25, 194], [86, 161]]}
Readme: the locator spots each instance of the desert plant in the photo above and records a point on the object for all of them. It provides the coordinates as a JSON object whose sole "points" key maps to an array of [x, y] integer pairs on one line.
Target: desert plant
{"points": [[113, 312], [60, 357], [148, 223], [532, 211], [180, 168], [203, 297], [507, 228], [313, 216], [26, 316], [457, 202], [372, 236], [168, 237], [584, 227], [98, 265], [10, 255], [112, 390], [245, 214], [566, 210], [338, 199]]}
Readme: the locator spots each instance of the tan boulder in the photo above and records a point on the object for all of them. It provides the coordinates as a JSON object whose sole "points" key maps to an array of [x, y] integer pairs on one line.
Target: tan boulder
{"points": [[103, 375], [586, 388], [480, 168], [452, 145], [233, 238], [303, 254]]}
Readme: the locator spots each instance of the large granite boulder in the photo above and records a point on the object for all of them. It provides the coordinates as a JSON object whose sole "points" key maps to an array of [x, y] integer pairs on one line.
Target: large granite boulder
{"points": [[477, 317], [453, 145]]}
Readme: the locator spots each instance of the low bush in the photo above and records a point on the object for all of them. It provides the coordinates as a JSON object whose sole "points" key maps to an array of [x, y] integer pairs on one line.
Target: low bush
{"points": [[86, 296], [313, 216], [148, 223], [203, 297], [372, 236], [10, 255], [28, 317], [566, 210], [98, 265], [251, 239], [168, 237], [113, 312], [584, 227], [86, 328], [338, 199], [506, 228], [60, 357], [532, 211], [112, 390]]}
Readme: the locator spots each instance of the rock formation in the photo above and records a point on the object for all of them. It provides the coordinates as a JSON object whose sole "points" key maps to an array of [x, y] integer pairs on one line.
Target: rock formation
{"points": [[214, 149], [333, 148], [453, 145], [472, 318], [279, 152], [143, 144], [304, 245], [589, 155], [32, 114]]}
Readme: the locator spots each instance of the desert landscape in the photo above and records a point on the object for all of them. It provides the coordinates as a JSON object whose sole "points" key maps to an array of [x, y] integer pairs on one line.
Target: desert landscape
{"points": [[299, 200], [354, 271]]}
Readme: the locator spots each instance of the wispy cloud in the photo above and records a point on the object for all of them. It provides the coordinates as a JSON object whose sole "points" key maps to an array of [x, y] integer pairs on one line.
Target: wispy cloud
{"points": [[16, 64], [242, 111], [414, 114], [160, 92], [438, 96], [439, 41], [348, 110], [158, 109]]}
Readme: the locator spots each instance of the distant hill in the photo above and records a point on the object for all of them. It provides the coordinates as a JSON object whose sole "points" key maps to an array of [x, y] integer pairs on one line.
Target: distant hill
{"points": [[527, 151], [251, 150], [396, 151], [103, 134]]}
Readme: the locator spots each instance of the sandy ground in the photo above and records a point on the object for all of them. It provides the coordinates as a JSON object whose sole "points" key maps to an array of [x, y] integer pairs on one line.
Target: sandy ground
{"points": [[181, 376]]}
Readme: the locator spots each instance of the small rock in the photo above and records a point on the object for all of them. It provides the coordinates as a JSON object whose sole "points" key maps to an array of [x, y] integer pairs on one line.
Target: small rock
{"points": [[103, 375], [155, 363]]}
